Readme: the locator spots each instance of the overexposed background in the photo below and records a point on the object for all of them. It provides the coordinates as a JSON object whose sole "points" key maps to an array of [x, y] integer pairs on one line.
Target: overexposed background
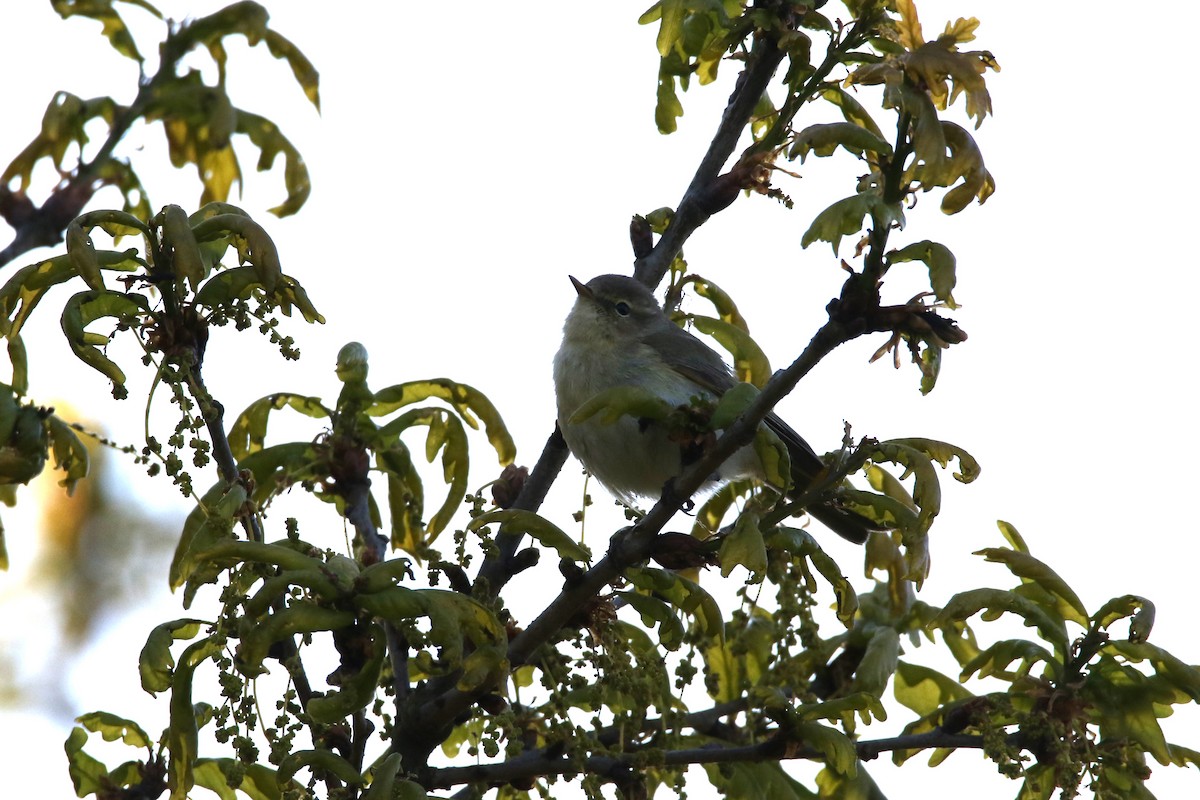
{"points": [[467, 158]]}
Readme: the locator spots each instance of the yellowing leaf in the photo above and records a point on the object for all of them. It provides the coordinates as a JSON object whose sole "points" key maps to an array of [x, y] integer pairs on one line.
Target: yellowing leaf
{"points": [[909, 27]]}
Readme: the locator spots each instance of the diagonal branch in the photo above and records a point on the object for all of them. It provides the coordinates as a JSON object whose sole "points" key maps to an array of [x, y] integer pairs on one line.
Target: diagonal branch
{"points": [[764, 60]]}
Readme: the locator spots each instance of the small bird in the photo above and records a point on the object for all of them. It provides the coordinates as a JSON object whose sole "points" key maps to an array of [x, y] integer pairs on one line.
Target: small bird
{"points": [[617, 335]]}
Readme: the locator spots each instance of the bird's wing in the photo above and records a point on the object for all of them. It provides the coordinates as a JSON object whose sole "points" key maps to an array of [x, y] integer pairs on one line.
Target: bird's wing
{"points": [[691, 358], [697, 361]]}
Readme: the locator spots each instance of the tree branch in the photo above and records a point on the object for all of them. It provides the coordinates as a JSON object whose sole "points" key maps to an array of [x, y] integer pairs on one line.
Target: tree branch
{"points": [[541, 763], [633, 545], [690, 214], [499, 567]]}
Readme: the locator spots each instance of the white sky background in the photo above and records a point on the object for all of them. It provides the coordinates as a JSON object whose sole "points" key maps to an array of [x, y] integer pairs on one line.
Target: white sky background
{"points": [[468, 157]]}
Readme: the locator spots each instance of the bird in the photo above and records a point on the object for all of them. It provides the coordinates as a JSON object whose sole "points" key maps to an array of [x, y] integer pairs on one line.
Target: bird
{"points": [[617, 335]]}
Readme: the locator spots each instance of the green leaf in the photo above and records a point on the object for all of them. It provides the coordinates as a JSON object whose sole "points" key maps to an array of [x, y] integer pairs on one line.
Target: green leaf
{"points": [[271, 143], [446, 434], [682, 593], [406, 498], [112, 727], [320, 763], [277, 467], [210, 522], [1039, 783], [305, 73], [741, 781], [88, 775], [254, 245], [996, 602], [994, 661], [610, 405], [656, 612], [249, 430], [183, 732], [711, 514], [802, 544], [855, 786], [299, 617], [155, 663], [749, 362], [845, 218], [70, 454], [383, 780], [85, 308], [726, 309], [20, 363], [965, 162], [355, 691], [824, 139], [667, 109], [1182, 676], [114, 223], [924, 690], [514, 520], [1031, 570], [1012, 536], [879, 662], [256, 781], [25, 289], [744, 546], [851, 109], [836, 747], [187, 261], [1138, 609], [468, 401], [940, 261], [451, 617], [865, 704]]}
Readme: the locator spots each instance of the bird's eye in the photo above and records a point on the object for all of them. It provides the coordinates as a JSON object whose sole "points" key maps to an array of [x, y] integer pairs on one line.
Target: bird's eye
{"points": [[622, 308]]}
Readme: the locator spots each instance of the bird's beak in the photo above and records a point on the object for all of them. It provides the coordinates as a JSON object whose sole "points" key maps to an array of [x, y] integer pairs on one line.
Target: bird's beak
{"points": [[580, 288]]}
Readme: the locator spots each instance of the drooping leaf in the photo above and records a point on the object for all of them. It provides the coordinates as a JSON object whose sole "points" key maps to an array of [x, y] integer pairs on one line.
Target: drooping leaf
{"points": [[823, 139], [249, 430], [655, 612], [682, 593], [845, 218], [750, 364], [1030, 569], [70, 454], [270, 142], [996, 602], [85, 308], [114, 28], [299, 617], [155, 663], [25, 289], [467, 400], [744, 546], [940, 261], [545, 532], [183, 732], [356, 691]]}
